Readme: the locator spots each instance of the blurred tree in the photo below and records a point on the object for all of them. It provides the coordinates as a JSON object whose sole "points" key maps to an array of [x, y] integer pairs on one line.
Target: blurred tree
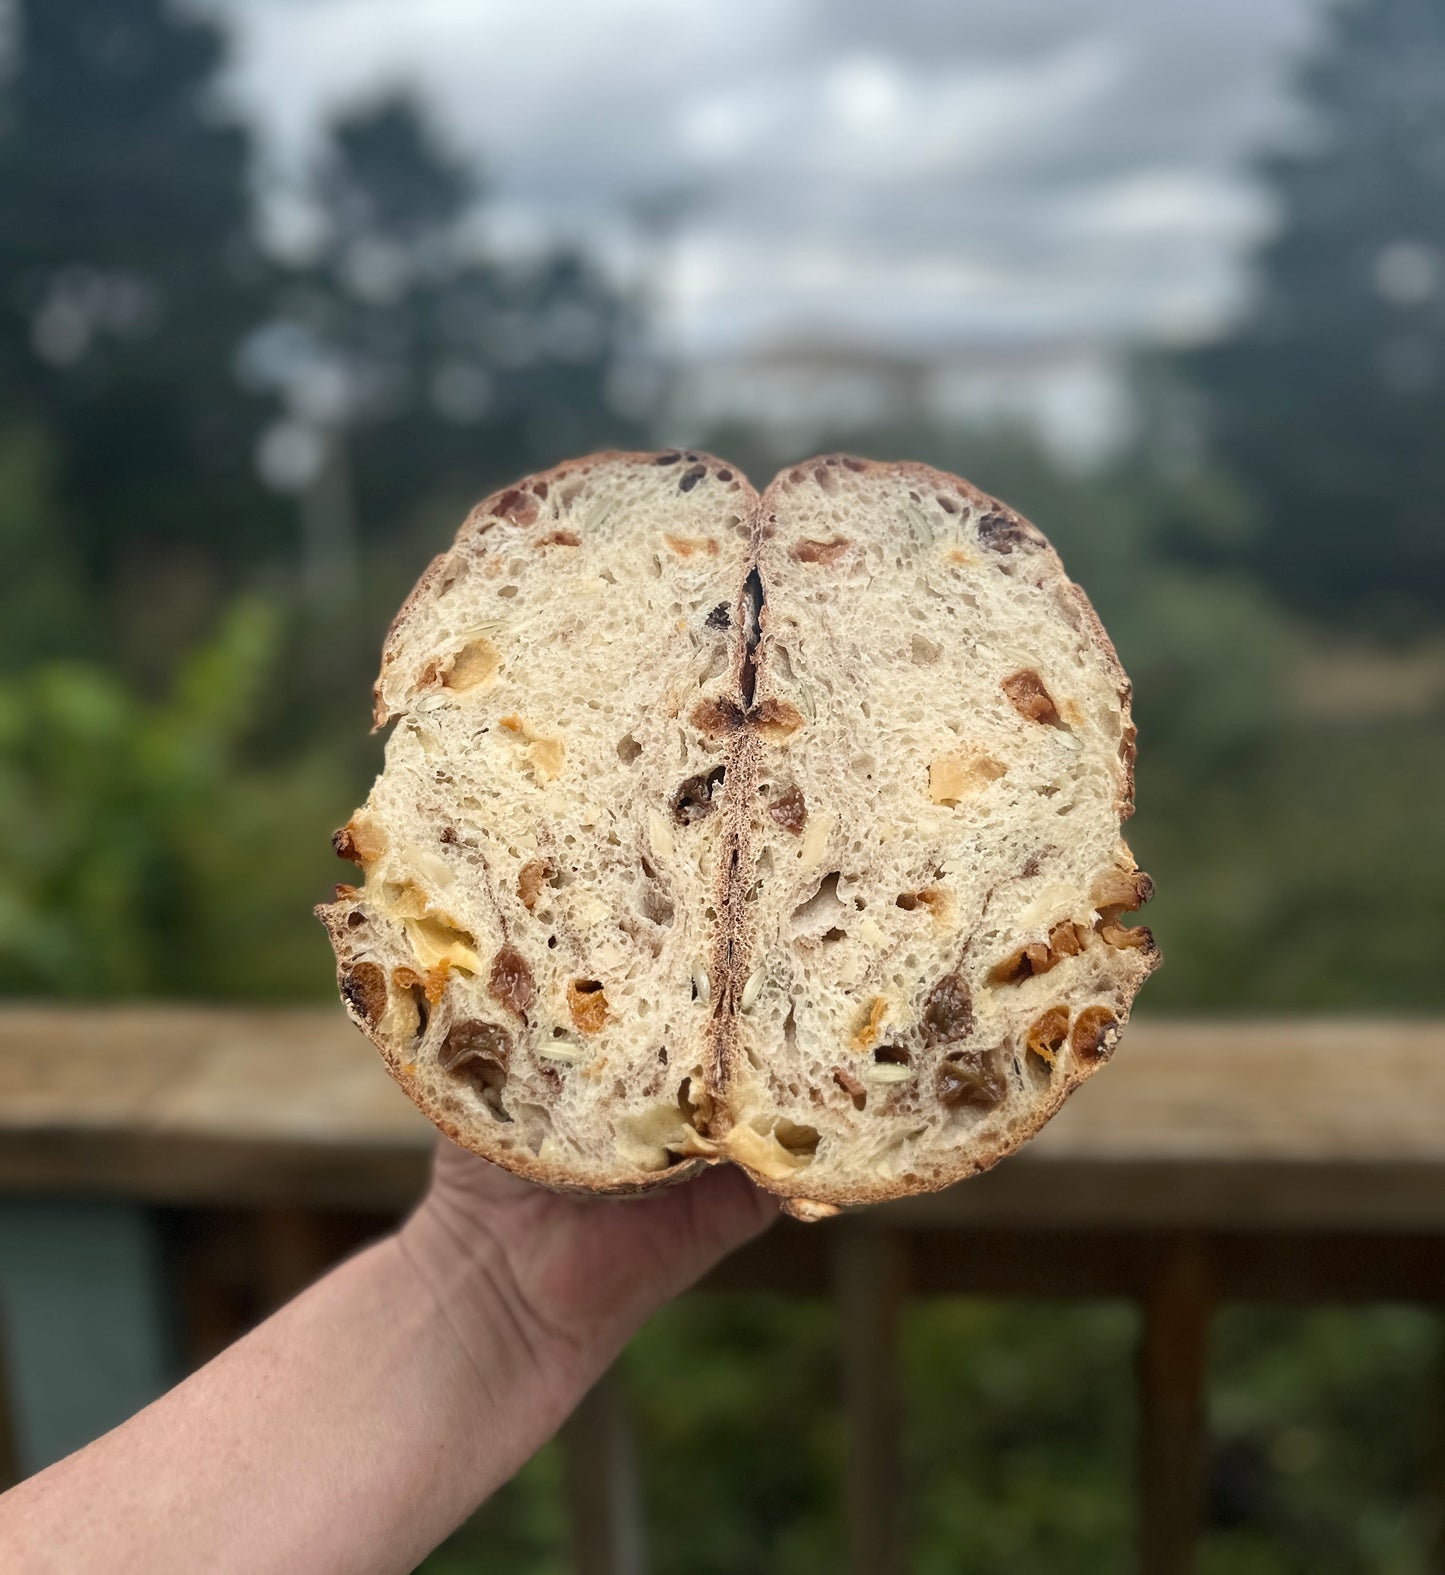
{"points": [[127, 281], [462, 370], [122, 819], [1329, 400]]}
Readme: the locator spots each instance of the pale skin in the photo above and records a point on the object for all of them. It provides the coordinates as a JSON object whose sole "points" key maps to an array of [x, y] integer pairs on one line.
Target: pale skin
{"points": [[366, 1419]]}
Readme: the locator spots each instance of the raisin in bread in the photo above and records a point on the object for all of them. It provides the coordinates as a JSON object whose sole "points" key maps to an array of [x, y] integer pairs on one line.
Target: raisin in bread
{"points": [[781, 830]]}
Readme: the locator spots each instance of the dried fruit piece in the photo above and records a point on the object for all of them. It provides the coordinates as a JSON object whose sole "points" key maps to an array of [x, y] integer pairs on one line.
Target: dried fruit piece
{"points": [[510, 983], [1095, 1030], [587, 1002], [478, 1052], [364, 986], [1000, 531], [531, 878], [869, 1024], [971, 1080], [808, 551], [1046, 1036], [790, 810], [1028, 696], [948, 1011], [521, 508], [687, 546], [716, 717]]}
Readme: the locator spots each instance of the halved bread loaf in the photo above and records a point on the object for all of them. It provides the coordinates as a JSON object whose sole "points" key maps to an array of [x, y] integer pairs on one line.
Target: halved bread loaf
{"points": [[779, 830]]}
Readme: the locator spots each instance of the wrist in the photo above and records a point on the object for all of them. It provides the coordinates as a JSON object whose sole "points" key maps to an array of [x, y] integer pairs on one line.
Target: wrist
{"points": [[515, 1355]]}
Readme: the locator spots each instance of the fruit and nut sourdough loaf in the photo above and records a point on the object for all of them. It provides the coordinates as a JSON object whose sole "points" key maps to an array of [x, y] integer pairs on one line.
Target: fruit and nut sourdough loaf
{"points": [[779, 830]]}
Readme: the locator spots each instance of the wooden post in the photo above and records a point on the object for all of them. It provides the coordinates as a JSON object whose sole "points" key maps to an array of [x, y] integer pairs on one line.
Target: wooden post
{"points": [[869, 1280], [1173, 1432], [602, 1488]]}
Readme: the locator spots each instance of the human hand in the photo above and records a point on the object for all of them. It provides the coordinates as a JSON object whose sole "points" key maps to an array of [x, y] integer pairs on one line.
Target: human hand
{"points": [[566, 1279]]}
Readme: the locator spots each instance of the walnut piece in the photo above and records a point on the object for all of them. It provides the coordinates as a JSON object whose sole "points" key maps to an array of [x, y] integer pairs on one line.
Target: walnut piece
{"points": [[776, 720], [360, 841], [474, 664], [544, 755], [953, 778]]}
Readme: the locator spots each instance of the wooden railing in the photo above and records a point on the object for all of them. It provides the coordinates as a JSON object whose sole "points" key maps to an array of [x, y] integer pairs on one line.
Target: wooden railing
{"points": [[1219, 1161]]}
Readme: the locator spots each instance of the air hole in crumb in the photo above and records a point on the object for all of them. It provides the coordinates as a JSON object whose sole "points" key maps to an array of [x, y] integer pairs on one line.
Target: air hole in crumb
{"points": [[507, 591], [694, 799], [797, 1139], [817, 918], [628, 749]]}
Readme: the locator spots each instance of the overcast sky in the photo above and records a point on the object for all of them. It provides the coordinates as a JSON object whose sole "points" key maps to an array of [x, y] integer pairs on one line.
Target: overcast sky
{"points": [[894, 173]]}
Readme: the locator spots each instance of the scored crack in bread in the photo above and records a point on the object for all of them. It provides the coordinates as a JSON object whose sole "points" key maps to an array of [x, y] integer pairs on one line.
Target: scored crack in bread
{"points": [[778, 830]]}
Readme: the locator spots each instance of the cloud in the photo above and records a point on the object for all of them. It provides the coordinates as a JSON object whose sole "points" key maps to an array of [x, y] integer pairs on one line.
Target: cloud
{"points": [[920, 172]]}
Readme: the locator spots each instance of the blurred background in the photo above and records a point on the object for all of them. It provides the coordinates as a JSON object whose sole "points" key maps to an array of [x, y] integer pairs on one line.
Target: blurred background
{"points": [[285, 285]]}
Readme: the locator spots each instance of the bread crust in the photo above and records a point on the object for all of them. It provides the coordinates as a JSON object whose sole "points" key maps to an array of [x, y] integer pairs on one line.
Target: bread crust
{"points": [[732, 960]]}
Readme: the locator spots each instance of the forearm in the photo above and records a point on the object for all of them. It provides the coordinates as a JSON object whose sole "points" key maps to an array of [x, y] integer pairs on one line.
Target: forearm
{"points": [[350, 1432]]}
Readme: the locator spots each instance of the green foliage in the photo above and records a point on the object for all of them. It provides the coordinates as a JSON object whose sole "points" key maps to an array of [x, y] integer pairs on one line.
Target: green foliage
{"points": [[1329, 399], [139, 854], [1324, 1425], [1019, 1443]]}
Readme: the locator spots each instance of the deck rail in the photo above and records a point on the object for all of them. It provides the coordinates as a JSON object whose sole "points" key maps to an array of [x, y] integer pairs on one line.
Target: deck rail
{"points": [[1215, 1161]]}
